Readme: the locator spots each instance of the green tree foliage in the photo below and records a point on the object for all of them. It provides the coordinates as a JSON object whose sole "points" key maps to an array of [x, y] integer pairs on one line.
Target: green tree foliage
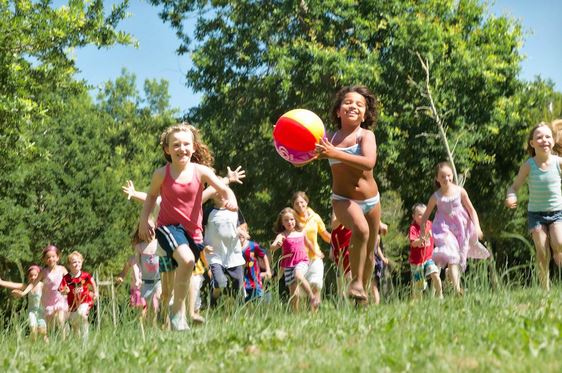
{"points": [[253, 60]]}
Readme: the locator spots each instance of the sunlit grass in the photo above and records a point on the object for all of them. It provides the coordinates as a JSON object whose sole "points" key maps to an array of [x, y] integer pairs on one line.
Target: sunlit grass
{"points": [[501, 330]]}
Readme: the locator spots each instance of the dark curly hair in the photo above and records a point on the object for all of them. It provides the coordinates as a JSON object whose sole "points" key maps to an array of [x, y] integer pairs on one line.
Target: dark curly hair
{"points": [[371, 111]]}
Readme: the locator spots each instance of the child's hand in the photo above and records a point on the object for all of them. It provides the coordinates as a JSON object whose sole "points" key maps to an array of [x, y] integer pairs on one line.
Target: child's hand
{"points": [[265, 275], [236, 176], [65, 290], [231, 205], [324, 148], [209, 249], [278, 242], [146, 231], [319, 254], [118, 280], [17, 293], [129, 189], [479, 232], [383, 229], [511, 202], [138, 283]]}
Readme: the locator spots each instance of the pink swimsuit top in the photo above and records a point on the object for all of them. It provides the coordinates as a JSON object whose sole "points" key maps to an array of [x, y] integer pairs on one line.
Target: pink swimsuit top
{"points": [[182, 204], [294, 251]]}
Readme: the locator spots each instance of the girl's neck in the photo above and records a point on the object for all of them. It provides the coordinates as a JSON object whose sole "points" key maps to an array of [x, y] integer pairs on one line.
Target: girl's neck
{"points": [[447, 189], [76, 274], [542, 156], [179, 167]]}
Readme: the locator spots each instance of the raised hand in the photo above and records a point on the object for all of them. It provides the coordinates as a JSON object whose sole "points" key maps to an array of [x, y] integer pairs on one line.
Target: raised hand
{"points": [[235, 176]]}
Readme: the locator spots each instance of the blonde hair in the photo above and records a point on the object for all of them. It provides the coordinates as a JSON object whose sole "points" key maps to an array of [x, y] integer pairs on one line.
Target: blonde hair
{"points": [[201, 153], [74, 254], [556, 127], [278, 226]]}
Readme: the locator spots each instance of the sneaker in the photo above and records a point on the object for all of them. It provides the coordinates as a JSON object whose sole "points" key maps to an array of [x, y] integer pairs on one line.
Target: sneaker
{"points": [[178, 322]]}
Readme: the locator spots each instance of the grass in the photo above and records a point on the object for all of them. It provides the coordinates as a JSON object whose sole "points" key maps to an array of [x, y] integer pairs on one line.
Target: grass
{"points": [[509, 330]]}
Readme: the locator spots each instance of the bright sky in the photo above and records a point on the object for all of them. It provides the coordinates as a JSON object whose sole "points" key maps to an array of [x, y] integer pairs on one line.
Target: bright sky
{"points": [[156, 56]]}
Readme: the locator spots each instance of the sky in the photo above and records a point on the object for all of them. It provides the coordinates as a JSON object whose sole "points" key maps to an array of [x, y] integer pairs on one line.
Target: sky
{"points": [[156, 56]]}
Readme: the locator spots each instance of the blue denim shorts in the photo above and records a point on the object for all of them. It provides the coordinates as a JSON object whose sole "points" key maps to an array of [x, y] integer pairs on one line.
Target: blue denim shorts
{"points": [[538, 218], [170, 237]]}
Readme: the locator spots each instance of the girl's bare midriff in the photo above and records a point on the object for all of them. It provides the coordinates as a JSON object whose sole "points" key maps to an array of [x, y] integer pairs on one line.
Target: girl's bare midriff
{"points": [[353, 183]]}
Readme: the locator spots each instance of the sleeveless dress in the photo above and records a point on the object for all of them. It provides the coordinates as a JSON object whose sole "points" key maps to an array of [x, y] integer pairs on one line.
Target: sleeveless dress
{"points": [[454, 233], [52, 300]]}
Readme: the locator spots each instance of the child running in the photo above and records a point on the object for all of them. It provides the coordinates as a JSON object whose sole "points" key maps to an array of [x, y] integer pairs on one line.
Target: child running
{"points": [[294, 258], [542, 172], [53, 302], [421, 252], [456, 227], [255, 258], [148, 263], [179, 225], [36, 316], [224, 252], [81, 292], [352, 154]]}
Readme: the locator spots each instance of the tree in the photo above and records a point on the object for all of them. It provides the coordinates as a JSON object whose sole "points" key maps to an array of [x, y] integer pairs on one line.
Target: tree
{"points": [[253, 60]]}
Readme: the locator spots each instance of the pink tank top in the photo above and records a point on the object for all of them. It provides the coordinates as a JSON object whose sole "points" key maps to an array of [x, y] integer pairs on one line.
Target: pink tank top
{"points": [[182, 204], [294, 251]]}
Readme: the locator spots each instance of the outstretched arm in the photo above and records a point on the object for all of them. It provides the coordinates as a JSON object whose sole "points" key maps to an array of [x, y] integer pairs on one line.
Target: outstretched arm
{"points": [[511, 197], [12, 285], [209, 177], [146, 229], [131, 192], [235, 176]]}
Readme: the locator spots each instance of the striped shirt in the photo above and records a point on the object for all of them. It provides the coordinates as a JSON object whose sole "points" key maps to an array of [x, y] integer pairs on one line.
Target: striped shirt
{"points": [[544, 186]]}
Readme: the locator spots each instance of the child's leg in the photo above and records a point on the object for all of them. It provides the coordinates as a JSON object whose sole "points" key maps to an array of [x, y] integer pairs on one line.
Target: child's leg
{"points": [[455, 275], [236, 275], [351, 216], [373, 219], [194, 298], [315, 277], [219, 282], [294, 296], [375, 292], [167, 279], [555, 232], [540, 238], [436, 282], [83, 311], [186, 262]]}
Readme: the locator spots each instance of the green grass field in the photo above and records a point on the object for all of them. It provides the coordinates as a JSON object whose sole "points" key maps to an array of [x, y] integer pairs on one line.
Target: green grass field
{"points": [[508, 330]]}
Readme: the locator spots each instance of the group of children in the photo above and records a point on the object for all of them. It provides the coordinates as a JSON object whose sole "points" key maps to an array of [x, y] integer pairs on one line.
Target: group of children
{"points": [[172, 250], [56, 295]]}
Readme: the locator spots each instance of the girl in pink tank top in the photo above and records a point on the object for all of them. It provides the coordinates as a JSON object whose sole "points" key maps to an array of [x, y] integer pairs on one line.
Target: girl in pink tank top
{"points": [[294, 257], [180, 185]]}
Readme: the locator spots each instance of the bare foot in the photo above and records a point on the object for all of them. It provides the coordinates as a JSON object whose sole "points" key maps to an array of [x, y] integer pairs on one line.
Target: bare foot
{"points": [[197, 319], [356, 291]]}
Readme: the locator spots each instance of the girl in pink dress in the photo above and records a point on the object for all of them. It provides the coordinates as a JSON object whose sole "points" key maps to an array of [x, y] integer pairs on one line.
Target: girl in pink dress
{"points": [[456, 228], [294, 259], [53, 302]]}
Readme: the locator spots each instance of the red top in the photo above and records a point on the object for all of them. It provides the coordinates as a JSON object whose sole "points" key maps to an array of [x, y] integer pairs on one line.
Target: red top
{"points": [[419, 255], [341, 238], [79, 291], [182, 203]]}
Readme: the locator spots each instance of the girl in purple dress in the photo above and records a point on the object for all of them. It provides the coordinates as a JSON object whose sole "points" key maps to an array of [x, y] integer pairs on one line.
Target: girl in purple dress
{"points": [[456, 228]]}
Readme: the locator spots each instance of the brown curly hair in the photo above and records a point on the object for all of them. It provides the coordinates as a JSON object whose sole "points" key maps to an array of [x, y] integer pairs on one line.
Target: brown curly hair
{"points": [[201, 154], [556, 127], [371, 111]]}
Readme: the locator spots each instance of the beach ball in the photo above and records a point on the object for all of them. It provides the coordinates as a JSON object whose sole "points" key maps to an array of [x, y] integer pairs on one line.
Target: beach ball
{"points": [[296, 134]]}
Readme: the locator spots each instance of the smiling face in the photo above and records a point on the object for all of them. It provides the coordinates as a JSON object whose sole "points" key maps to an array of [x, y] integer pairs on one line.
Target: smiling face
{"points": [[180, 147], [300, 205], [444, 176], [352, 109], [289, 222], [542, 141]]}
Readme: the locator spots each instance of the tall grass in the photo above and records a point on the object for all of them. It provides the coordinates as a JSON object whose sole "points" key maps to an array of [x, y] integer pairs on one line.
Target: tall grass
{"points": [[492, 328]]}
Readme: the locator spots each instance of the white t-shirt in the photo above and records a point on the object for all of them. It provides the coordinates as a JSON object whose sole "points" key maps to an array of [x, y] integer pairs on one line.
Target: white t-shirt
{"points": [[221, 233]]}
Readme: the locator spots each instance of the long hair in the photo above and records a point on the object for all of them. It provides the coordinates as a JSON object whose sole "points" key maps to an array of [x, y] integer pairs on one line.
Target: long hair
{"points": [[278, 226], [49, 248], [201, 153], [556, 127], [298, 194], [371, 111]]}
